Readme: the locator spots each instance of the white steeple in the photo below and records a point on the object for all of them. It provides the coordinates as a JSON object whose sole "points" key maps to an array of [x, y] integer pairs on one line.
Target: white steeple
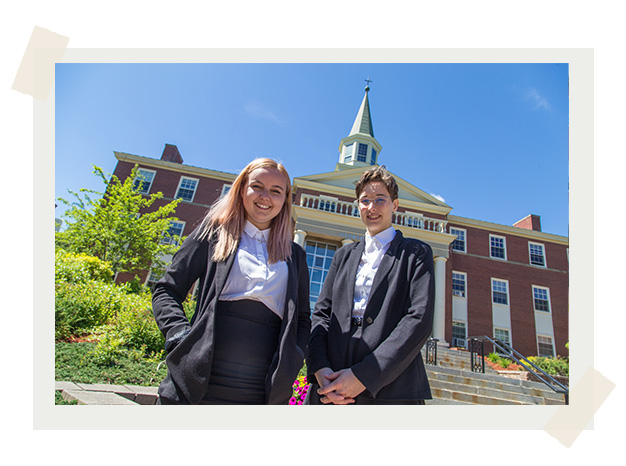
{"points": [[360, 148]]}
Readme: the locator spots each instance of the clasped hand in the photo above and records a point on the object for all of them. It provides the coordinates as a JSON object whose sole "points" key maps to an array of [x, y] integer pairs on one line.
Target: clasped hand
{"points": [[339, 387]]}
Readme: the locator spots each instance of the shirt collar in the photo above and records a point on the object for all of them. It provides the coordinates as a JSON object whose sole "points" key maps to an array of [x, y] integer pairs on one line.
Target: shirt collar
{"points": [[380, 240], [253, 232]]}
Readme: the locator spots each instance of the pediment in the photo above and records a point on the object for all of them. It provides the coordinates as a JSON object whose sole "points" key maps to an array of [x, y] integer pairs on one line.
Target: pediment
{"points": [[346, 179]]}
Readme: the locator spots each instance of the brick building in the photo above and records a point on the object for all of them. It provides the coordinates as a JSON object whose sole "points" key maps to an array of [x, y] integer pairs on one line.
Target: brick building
{"points": [[510, 282]]}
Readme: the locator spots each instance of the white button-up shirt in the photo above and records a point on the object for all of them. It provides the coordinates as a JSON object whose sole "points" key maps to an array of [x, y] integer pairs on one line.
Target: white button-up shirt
{"points": [[375, 249], [252, 277]]}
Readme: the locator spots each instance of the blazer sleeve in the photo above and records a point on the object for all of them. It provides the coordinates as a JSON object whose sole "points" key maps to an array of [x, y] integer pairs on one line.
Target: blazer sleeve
{"points": [[188, 265], [317, 357], [402, 346], [303, 306]]}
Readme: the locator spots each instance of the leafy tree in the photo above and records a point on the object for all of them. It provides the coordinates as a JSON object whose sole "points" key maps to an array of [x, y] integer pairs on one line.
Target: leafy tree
{"points": [[118, 226]]}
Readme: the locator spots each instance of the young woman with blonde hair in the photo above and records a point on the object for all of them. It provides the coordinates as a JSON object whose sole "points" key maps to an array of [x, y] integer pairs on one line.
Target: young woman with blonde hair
{"points": [[247, 338]]}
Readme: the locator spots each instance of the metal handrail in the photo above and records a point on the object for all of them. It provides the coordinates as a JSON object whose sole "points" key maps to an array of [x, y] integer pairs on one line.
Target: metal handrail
{"points": [[518, 357]]}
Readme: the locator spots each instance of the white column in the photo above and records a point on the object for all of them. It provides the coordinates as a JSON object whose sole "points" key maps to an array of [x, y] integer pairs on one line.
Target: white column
{"points": [[299, 237], [440, 300]]}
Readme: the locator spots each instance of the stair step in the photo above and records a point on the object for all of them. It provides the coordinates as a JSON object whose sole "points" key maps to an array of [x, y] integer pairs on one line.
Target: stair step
{"points": [[496, 386], [535, 387], [443, 395], [487, 392]]}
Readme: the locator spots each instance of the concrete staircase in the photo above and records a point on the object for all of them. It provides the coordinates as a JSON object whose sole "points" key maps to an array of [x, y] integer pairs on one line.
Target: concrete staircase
{"points": [[453, 383]]}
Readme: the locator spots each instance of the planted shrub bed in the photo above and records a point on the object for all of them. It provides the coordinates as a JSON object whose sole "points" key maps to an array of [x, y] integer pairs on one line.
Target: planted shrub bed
{"points": [[106, 333]]}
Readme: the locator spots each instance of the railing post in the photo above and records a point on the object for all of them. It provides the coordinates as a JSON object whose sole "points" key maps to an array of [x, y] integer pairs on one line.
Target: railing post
{"points": [[477, 365], [431, 351]]}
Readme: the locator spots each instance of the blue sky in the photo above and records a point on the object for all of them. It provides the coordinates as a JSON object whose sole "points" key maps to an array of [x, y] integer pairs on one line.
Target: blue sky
{"points": [[490, 139]]}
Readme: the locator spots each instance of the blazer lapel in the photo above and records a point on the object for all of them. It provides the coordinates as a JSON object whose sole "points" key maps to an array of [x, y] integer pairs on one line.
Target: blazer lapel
{"points": [[221, 273], [292, 288], [352, 265]]}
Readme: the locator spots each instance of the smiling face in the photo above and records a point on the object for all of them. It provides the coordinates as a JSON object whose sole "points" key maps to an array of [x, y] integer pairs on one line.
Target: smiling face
{"points": [[263, 196], [376, 218]]}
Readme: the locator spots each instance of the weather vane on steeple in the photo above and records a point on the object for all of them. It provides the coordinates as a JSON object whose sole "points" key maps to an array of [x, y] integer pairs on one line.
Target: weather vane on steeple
{"points": [[368, 81]]}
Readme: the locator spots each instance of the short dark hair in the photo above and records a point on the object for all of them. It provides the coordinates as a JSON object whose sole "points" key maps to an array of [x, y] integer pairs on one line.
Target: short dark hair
{"points": [[378, 174]]}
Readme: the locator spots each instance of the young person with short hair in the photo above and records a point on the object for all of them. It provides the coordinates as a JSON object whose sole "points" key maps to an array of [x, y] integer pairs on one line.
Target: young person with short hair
{"points": [[375, 310]]}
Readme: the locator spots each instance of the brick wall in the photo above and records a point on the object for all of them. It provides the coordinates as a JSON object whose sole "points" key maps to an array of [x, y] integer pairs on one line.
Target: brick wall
{"points": [[521, 277]]}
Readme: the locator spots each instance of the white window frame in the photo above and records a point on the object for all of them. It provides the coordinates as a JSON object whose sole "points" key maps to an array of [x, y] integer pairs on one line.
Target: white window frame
{"points": [[454, 292], [348, 152], [464, 239], [543, 254], [548, 337], [150, 283], [145, 171], [359, 156], [225, 188], [167, 240], [195, 189], [547, 290], [508, 298], [508, 340], [373, 156], [503, 238], [454, 339]]}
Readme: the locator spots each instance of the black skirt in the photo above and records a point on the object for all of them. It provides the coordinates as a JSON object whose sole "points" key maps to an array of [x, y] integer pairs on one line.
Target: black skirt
{"points": [[246, 340]]}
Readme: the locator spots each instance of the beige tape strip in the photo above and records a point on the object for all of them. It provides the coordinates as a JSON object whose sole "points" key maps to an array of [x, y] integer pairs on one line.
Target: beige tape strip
{"points": [[588, 395], [35, 75]]}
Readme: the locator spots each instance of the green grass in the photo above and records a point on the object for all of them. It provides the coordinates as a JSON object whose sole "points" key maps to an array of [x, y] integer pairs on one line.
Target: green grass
{"points": [[58, 400], [74, 362]]}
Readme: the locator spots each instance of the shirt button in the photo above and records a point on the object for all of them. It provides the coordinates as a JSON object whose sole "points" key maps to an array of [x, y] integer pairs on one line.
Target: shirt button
{"points": [[369, 320]]}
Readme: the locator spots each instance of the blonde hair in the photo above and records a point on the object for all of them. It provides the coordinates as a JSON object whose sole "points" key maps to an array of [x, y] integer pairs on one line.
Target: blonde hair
{"points": [[227, 218]]}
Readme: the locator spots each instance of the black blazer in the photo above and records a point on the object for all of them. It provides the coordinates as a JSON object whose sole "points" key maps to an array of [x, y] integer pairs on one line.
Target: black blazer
{"points": [[396, 324], [190, 344]]}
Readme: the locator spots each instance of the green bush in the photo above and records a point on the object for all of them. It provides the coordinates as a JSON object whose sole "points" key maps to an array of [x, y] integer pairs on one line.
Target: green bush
{"points": [[81, 363], [79, 268], [80, 307], [552, 366], [136, 327]]}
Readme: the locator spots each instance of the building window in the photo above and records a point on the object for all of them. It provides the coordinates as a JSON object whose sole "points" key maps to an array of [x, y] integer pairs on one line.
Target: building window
{"points": [[373, 162], [459, 334], [458, 284], [503, 335], [153, 277], [225, 189], [318, 258], [537, 254], [174, 233], [186, 188], [541, 299], [362, 154], [544, 346], [497, 247], [459, 243], [348, 152], [499, 291], [143, 180]]}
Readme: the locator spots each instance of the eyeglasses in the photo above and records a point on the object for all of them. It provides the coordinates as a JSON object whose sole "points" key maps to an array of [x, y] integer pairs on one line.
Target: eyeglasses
{"points": [[378, 202]]}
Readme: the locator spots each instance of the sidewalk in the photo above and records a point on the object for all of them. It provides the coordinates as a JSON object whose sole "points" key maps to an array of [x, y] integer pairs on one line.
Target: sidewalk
{"points": [[105, 394]]}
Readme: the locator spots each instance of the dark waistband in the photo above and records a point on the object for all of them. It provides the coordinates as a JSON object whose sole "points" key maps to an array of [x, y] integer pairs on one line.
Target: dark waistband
{"points": [[248, 309]]}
